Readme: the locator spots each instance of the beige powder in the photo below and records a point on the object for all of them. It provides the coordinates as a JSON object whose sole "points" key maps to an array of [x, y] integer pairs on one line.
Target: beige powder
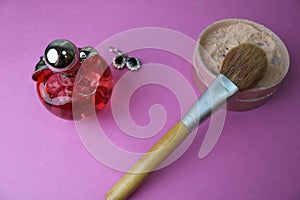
{"points": [[215, 45]]}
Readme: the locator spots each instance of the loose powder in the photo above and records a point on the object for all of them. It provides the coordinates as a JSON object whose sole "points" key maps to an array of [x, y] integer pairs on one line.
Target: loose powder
{"points": [[215, 45]]}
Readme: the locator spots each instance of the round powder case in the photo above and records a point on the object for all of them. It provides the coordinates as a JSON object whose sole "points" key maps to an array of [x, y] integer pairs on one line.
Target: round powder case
{"points": [[218, 38]]}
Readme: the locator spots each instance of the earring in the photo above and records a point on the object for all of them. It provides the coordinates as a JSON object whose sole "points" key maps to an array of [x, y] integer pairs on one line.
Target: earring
{"points": [[122, 60]]}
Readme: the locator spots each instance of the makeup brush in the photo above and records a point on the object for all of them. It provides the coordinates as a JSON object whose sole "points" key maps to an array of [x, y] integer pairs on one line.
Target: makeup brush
{"points": [[242, 68]]}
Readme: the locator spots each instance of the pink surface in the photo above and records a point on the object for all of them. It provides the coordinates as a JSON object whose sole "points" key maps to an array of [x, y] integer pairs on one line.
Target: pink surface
{"points": [[42, 157]]}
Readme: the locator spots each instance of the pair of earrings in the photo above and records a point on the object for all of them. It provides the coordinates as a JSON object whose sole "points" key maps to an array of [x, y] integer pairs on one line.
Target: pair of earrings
{"points": [[122, 60]]}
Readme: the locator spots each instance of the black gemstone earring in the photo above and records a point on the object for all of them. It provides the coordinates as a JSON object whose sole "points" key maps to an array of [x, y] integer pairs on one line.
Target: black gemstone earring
{"points": [[122, 60], [133, 63], [119, 62]]}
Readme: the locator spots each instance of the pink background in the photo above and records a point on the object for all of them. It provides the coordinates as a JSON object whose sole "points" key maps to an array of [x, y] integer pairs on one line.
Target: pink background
{"points": [[42, 157]]}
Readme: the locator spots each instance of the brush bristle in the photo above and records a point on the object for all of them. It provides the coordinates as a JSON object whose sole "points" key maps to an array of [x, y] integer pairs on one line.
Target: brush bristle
{"points": [[245, 65]]}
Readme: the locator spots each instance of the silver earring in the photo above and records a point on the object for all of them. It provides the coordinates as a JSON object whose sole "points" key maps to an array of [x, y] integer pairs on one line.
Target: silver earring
{"points": [[122, 60]]}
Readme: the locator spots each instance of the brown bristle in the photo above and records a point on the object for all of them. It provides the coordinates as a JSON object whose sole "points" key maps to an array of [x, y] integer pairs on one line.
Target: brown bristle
{"points": [[245, 65]]}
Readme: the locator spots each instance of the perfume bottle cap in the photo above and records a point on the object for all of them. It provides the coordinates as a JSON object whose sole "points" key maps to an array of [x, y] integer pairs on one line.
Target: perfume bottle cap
{"points": [[61, 55]]}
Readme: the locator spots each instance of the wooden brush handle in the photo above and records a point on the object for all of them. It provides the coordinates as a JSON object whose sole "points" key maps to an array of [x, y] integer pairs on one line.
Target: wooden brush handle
{"points": [[148, 163]]}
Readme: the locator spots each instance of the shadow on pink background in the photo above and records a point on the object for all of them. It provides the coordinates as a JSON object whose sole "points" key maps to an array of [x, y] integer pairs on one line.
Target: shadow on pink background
{"points": [[42, 157]]}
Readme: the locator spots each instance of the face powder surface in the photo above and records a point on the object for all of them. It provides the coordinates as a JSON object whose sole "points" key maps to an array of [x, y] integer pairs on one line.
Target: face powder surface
{"points": [[215, 45]]}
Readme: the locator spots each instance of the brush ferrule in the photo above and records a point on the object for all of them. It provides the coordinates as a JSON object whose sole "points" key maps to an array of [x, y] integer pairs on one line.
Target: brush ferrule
{"points": [[213, 97]]}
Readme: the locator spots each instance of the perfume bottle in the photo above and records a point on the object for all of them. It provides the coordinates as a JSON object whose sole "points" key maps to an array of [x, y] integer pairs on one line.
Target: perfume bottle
{"points": [[68, 77]]}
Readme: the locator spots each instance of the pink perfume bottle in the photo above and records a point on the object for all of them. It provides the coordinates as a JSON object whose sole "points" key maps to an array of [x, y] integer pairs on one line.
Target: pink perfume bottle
{"points": [[69, 77]]}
